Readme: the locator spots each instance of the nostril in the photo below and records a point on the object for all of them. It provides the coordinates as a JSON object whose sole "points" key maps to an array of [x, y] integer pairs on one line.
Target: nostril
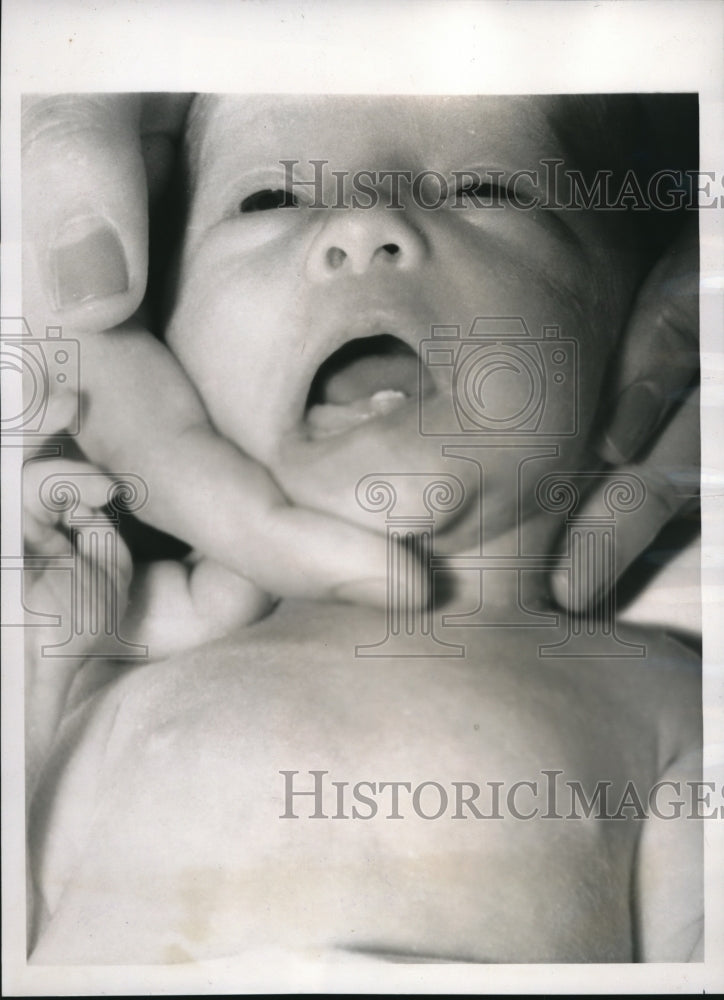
{"points": [[336, 257]]}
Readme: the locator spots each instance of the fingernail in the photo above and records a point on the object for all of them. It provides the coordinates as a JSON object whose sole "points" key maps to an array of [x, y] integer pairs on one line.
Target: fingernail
{"points": [[372, 591], [579, 590], [87, 262], [637, 411]]}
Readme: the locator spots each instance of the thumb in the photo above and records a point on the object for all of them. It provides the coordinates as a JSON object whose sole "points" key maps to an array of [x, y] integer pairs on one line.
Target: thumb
{"points": [[85, 216], [659, 354]]}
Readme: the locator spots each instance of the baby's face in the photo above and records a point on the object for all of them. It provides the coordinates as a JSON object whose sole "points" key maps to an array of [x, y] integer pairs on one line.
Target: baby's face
{"points": [[302, 326]]}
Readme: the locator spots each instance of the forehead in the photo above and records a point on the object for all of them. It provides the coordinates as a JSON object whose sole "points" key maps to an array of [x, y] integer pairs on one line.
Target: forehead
{"points": [[403, 131]]}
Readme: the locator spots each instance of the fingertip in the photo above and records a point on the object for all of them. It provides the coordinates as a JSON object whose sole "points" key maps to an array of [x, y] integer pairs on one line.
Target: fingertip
{"points": [[637, 411], [85, 216], [608, 450], [224, 599], [61, 411]]}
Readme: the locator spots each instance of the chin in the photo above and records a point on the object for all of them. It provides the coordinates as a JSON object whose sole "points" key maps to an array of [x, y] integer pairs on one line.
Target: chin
{"points": [[380, 475]]}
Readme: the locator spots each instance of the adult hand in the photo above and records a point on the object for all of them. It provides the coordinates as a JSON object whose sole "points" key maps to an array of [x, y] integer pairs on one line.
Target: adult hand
{"points": [[90, 600], [653, 430], [90, 163]]}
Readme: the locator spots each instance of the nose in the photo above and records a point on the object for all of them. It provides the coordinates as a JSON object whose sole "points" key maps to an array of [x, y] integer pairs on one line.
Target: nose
{"points": [[351, 241]]}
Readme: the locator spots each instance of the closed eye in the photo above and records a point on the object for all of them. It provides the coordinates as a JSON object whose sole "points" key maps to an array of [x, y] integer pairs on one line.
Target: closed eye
{"points": [[484, 189], [267, 199], [488, 194]]}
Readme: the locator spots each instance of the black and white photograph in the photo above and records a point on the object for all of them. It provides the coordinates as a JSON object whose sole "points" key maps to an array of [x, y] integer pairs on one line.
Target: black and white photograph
{"points": [[362, 523]]}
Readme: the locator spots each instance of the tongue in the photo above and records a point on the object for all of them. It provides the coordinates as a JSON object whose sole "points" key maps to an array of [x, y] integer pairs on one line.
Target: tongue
{"points": [[365, 377], [333, 418]]}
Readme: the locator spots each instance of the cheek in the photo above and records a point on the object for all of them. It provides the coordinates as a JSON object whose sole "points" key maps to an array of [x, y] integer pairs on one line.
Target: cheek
{"points": [[230, 358], [519, 272], [527, 358]]}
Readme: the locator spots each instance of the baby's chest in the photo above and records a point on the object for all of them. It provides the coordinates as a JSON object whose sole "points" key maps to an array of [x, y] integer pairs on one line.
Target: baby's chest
{"points": [[419, 809], [287, 794]]}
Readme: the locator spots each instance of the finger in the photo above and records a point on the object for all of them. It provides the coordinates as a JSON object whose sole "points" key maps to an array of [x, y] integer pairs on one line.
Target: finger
{"points": [[203, 490], [658, 352], [80, 490], [103, 560], [85, 225], [90, 486], [61, 412], [176, 606], [94, 594], [285, 550], [313, 555], [223, 599], [99, 574], [42, 537], [670, 475]]}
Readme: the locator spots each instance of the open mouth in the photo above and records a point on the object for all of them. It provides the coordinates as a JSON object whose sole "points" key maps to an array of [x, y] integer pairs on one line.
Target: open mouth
{"points": [[366, 378]]}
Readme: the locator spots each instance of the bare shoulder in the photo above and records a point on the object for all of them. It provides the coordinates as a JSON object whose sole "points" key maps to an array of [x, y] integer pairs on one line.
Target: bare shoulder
{"points": [[666, 682]]}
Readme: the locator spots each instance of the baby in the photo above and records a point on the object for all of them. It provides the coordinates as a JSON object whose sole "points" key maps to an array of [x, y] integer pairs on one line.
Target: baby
{"points": [[339, 256]]}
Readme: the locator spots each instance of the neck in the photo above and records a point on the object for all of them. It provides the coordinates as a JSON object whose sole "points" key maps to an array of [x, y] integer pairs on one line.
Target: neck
{"points": [[497, 593], [506, 574]]}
